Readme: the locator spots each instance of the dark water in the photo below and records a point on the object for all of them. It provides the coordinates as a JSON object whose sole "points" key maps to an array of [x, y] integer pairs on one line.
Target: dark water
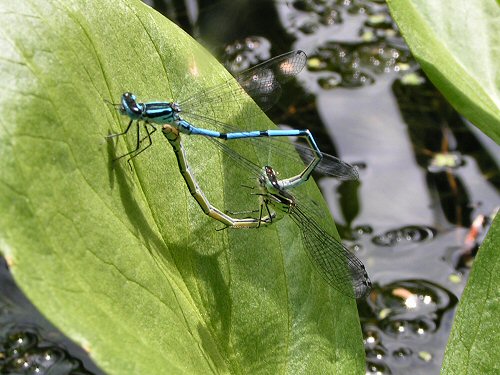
{"points": [[29, 344], [426, 175]]}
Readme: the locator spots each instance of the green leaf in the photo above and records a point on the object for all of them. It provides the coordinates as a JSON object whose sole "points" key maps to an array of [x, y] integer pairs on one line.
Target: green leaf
{"points": [[474, 339], [457, 43], [123, 262]]}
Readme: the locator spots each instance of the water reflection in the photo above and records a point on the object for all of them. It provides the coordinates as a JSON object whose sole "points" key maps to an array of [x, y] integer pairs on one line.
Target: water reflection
{"points": [[408, 319], [25, 352], [28, 343], [404, 235], [356, 64]]}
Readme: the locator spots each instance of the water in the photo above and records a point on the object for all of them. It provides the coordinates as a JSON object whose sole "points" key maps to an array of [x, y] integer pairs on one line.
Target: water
{"points": [[425, 173], [29, 344]]}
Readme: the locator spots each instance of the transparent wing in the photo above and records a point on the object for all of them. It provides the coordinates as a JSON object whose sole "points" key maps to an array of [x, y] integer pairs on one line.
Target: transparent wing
{"points": [[339, 267], [261, 82], [241, 161], [329, 164], [284, 149]]}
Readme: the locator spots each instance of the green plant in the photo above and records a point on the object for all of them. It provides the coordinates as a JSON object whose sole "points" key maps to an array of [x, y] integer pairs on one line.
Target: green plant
{"points": [[124, 262], [456, 43], [473, 340]]}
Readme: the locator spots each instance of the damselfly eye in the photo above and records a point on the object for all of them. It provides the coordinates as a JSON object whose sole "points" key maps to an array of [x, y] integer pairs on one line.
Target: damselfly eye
{"points": [[135, 109], [129, 103]]}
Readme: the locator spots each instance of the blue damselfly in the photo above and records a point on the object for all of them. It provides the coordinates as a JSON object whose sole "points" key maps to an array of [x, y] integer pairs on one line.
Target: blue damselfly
{"points": [[263, 84], [339, 267]]}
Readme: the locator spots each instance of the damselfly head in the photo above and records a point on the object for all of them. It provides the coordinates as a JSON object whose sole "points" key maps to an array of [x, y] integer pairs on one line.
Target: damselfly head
{"points": [[268, 179], [269, 171], [271, 175], [130, 107]]}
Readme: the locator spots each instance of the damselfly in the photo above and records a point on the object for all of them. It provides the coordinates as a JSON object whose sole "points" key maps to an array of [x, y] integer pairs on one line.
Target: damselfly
{"points": [[338, 266], [263, 84]]}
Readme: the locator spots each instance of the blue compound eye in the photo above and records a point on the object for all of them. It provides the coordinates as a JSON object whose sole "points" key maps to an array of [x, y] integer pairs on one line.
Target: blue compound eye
{"points": [[129, 104]]}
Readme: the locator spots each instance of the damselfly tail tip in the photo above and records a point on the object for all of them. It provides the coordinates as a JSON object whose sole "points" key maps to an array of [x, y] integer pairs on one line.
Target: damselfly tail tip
{"points": [[355, 172], [349, 174], [362, 286], [353, 175]]}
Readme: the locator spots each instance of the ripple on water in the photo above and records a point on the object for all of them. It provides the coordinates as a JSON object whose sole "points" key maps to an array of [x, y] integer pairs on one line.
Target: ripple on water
{"points": [[404, 235]]}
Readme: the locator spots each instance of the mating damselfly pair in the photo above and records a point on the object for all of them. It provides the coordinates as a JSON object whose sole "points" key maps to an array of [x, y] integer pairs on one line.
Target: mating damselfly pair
{"points": [[340, 268]]}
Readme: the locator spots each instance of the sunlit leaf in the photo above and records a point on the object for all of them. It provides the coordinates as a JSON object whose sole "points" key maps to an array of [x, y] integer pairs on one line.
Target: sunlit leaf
{"points": [[474, 339], [125, 262], [457, 43]]}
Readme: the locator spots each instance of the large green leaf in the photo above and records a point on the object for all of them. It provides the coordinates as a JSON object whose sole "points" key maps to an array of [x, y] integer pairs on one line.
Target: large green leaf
{"points": [[457, 43], [125, 262], [475, 337]]}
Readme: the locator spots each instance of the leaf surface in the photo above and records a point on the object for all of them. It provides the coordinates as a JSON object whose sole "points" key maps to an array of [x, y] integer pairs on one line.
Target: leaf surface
{"points": [[124, 262], [457, 43], [474, 339]]}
